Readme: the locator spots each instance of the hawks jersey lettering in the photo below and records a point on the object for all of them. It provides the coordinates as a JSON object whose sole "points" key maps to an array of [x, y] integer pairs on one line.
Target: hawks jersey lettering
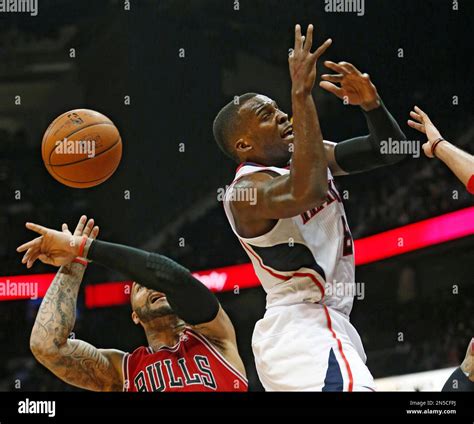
{"points": [[306, 258], [192, 365]]}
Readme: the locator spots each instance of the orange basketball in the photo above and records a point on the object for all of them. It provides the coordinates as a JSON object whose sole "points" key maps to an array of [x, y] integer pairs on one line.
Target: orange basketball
{"points": [[81, 148]]}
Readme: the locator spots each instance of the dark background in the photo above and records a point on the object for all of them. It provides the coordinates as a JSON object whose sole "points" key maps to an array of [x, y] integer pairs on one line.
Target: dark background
{"points": [[173, 194]]}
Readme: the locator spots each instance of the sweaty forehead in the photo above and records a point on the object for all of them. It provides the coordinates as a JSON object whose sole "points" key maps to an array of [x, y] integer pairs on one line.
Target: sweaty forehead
{"points": [[255, 103]]}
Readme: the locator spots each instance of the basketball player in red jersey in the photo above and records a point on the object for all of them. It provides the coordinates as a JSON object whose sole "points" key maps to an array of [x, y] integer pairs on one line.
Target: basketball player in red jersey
{"points": [[458, 161], [192, 344]]}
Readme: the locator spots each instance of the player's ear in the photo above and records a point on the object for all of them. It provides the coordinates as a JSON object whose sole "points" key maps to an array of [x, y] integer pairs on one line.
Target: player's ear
{"points": [[242, 146], [135, 318]]}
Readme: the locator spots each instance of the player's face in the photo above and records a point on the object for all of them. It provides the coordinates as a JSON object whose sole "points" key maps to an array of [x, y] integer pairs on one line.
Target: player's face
{"points": [[149, 304], [268, 130]]}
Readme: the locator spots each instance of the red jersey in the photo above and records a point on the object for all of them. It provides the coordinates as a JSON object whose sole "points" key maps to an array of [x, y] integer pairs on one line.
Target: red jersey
{"points": [[192, 365]]}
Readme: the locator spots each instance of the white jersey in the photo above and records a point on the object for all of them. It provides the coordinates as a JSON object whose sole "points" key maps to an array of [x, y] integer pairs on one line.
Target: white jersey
{"points": [[306, 258]]}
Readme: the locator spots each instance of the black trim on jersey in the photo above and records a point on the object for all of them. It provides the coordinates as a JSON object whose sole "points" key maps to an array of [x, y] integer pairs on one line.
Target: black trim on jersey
{"points": [[287, 258]]}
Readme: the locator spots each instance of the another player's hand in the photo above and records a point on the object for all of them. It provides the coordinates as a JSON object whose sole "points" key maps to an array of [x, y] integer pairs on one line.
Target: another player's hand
{"points": [[423, 124], [468, 364], [52, 247], [83, 229], [355, 88], [302, 62]]}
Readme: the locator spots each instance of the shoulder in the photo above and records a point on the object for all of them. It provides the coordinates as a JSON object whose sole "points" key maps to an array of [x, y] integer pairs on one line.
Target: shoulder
{"points": [[141, 350], [239, 192]]}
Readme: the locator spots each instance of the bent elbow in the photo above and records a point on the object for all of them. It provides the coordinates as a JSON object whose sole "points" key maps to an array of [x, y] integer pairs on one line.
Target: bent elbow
{"points": [[40, 349], [35, 347]]}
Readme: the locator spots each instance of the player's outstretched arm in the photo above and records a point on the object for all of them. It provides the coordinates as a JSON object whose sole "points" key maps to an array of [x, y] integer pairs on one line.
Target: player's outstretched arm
{"points": [[189, 298], [74, 361], [360, 153], [306, 185], [458, 161]]}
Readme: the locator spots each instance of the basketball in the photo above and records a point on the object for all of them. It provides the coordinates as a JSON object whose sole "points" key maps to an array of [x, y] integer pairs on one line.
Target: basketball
{"points": [[81, 148]]}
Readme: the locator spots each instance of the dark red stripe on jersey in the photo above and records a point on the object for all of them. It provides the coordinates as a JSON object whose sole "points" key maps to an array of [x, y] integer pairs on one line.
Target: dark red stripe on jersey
{"points": [[284, 277], [274, 274], [288, 258], [341, 351]]}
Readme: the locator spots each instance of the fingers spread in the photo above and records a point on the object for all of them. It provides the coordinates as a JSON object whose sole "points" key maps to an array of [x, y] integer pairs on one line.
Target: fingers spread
{"points": [[414, 115], [418, 110], [337, 78], [31, 244], [80, 225], [417, 126], [322, 48], [335, 67], [309, 39], [350, 68], [94, 232], [88, 228], [334, 89], [37, 228], [298, 40]]}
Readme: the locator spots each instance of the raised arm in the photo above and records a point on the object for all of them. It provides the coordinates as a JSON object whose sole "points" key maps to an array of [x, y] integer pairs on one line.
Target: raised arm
{"points": [[458, 161], [367, 152], [74, 361], [306, 184], [189, 298]]}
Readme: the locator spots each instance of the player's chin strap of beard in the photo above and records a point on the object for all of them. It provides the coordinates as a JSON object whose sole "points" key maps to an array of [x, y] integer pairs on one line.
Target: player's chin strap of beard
{"points": [[380, 148]]}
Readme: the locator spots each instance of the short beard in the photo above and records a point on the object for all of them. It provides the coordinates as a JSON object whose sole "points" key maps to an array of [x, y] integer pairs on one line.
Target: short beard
{"points": [[147, 314]]}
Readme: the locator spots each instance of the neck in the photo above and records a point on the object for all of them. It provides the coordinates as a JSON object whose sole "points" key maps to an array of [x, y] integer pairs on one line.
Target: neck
{"points": [[164, 331]]}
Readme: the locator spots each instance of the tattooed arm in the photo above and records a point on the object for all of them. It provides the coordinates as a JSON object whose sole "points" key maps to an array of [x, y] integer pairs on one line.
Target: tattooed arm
{"points": [[73, 361]]}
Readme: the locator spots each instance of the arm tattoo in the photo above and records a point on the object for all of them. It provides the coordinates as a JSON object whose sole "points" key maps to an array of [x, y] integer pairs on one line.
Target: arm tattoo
{"points": [[74, 361]]}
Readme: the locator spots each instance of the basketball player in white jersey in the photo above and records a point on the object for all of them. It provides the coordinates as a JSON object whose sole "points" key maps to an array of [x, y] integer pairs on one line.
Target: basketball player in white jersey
{"points": [[296, 232]]}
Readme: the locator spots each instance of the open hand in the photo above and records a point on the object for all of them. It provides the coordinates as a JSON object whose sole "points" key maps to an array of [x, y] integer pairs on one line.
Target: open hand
{"points": [[82, 229], [55, 247], [302, 62], [424, 125], [355, 88]]}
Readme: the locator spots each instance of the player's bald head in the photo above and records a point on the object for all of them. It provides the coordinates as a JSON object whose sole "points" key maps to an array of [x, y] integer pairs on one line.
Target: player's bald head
{"points": [[228, 124]]}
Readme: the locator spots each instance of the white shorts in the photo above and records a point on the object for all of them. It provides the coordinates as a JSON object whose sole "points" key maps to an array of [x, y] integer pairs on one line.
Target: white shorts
{"points": [[309, 347]]}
